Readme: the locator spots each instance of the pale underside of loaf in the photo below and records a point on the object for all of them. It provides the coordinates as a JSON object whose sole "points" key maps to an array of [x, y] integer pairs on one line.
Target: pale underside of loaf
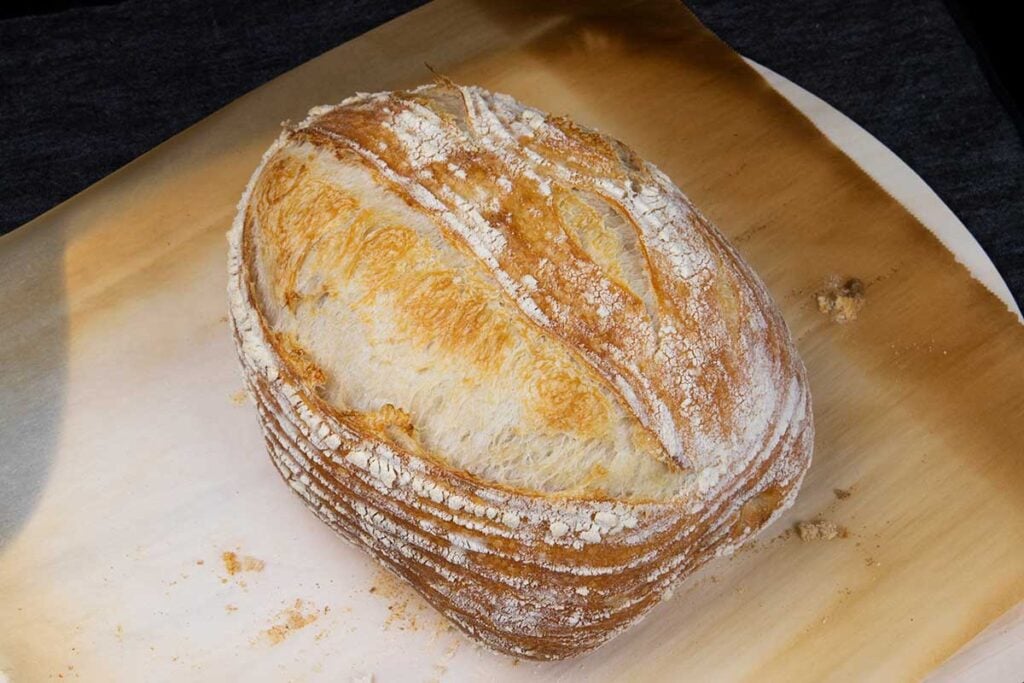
{"points": [[509, 358]]}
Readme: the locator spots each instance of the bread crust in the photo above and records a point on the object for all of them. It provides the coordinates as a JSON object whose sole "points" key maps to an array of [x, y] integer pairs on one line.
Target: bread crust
{"points": [[528, 573]]}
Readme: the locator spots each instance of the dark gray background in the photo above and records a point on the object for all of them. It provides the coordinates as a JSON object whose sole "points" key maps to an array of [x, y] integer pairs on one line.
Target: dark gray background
{"points": [[86, 90]]}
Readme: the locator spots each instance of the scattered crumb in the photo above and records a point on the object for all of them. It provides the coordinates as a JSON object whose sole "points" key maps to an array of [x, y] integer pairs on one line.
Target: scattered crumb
{"points": [[239, 397], [784, 536], [200, 562], [745, 548], [871, 562], [296, 617], [442, 627], [841, 494], [405, 608], [841, 303], [441, 666], [230, 608], [119, 632], [233, 563], [820, 530]]}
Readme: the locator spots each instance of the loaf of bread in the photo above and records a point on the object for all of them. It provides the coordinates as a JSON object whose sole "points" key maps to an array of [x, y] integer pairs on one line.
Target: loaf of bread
{"points": [[509, 359]]}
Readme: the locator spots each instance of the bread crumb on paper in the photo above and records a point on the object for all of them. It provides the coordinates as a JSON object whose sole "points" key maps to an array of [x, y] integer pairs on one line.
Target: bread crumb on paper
{"points": [[841, 494], [441, 666], [405, 607], [841, 302], [235, 563], [820, 530], [300, 615]]}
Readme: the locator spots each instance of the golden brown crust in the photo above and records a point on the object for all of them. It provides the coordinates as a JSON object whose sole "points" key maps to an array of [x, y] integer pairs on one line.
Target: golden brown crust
{"points": [[597, 255]]}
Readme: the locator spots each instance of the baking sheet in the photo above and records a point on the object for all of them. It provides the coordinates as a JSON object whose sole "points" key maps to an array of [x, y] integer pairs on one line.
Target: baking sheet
{"points": [[131, 465]]}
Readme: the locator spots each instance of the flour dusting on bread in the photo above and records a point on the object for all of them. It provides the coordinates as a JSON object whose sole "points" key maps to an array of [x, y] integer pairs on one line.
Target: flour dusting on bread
{"points": [[511, 360]]}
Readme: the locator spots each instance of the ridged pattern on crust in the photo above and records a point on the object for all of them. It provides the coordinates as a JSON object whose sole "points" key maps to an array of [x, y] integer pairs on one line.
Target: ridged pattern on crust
{"points": [[542, 576]]}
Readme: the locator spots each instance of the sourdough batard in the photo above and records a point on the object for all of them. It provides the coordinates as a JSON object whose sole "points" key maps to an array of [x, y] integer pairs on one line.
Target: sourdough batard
{"points": [[508, 358]]}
